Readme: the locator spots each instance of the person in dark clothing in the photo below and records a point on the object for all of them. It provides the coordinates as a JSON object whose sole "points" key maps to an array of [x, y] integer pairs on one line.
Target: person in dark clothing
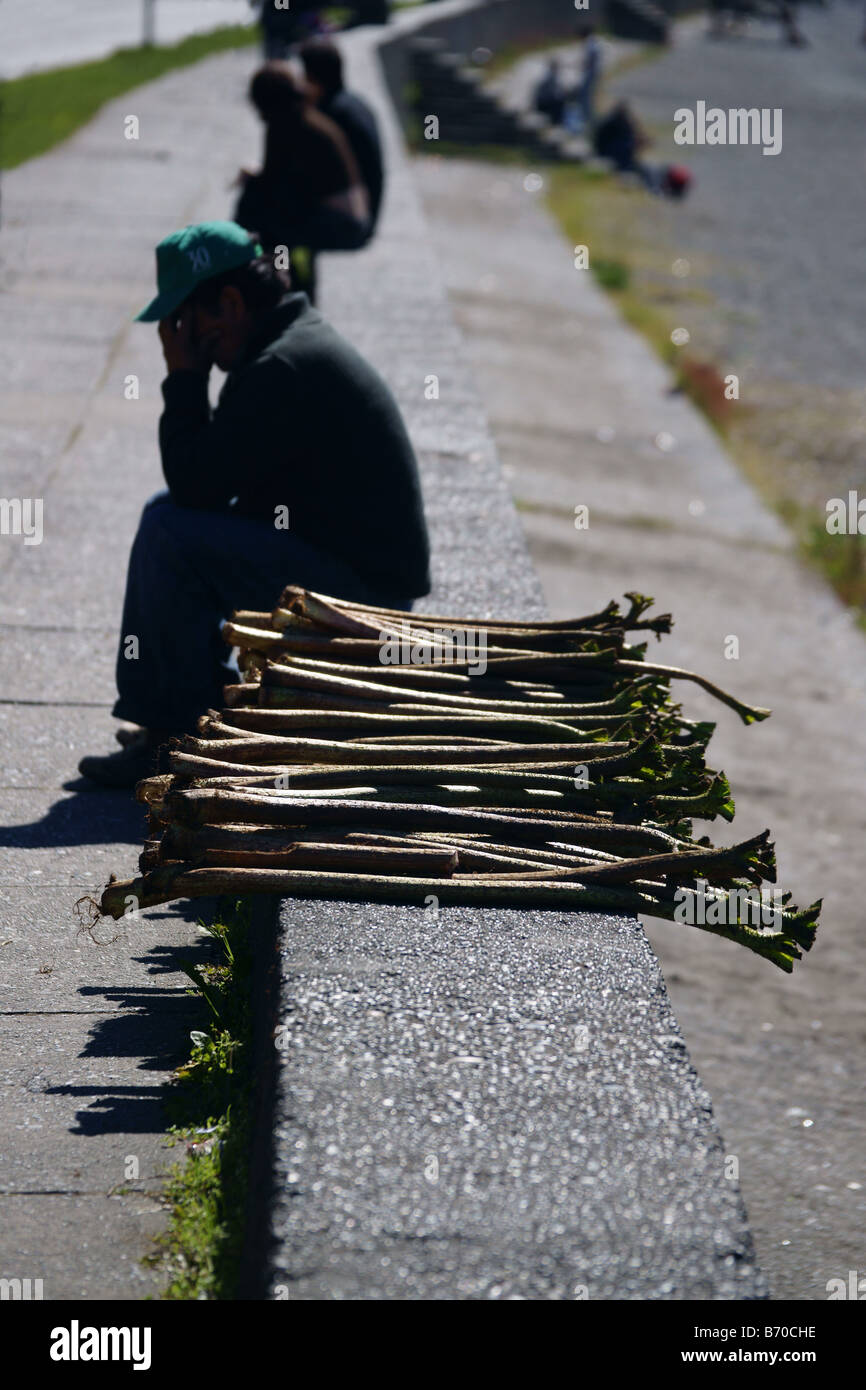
{"points": [[618, 137], [284, 26], [302, 474], [309, 191], [323, 68], [548, 98]]}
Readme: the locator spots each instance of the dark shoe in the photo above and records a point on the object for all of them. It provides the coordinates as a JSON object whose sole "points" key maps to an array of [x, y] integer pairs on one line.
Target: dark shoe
{"points": [[128, 734], [129, 765]]}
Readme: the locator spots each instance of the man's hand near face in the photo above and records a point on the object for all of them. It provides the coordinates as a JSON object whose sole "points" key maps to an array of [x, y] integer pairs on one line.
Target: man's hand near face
{"points": [[181, 350]]}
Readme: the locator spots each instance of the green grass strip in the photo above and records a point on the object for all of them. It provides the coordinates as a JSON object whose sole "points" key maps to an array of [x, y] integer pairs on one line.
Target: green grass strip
{"points": [[209, 1106], [41, 109]]}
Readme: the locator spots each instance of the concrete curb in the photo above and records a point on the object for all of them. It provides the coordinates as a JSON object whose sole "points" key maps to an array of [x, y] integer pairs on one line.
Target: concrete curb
{"points": [[477, 1103]]}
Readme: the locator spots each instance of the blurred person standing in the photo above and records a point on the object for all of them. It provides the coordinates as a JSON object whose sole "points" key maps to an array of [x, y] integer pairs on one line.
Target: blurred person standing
{"points": [[591, 73], [580, 109]]}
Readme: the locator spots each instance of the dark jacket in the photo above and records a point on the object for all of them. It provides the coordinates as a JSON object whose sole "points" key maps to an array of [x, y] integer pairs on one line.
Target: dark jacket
{"points": [[307, 157], [358, 124], [303, 422]]}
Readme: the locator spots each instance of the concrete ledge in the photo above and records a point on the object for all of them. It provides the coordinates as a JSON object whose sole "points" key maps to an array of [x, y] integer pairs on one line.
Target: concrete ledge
{"points": [[478, 1103]]}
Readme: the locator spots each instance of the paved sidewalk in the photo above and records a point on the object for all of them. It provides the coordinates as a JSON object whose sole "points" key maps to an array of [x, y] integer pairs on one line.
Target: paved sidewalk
{"points": [[40, 34], [582, 412], [88, 1032]]}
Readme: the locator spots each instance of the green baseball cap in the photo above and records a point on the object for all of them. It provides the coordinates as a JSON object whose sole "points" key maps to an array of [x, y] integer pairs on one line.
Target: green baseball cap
{"points": [[194, 254]]}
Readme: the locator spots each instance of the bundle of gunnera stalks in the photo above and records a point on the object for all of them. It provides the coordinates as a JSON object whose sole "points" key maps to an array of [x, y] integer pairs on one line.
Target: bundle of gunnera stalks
{"points": [[384, 756]]}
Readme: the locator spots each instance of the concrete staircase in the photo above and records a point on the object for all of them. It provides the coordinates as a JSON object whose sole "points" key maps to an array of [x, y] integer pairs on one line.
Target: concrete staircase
{"points": [[449, 86]]}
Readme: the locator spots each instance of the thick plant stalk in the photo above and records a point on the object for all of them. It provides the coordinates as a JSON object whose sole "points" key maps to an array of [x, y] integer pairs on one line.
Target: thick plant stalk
{"points": [[593, 667], [241, 693], [443, 741], [324, 684], [533, 855], [299, 600], [321, 610], [752, 859], [500, 641], [445, 676], [612, 758], [463, 785], [525, 728], [279, 697], [544, 668], [205, 807], [590, 684], [189, 843], [252, 617], [169, 882], [477, 855], [748, 713], [337, 858], [420, 775], [368, 650]]}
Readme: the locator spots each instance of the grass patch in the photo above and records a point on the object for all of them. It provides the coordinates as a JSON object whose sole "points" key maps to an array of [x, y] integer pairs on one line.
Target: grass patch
{"points": [[595, 209], [209, 1108], [41, 109], [841, 558], [612, 275]]}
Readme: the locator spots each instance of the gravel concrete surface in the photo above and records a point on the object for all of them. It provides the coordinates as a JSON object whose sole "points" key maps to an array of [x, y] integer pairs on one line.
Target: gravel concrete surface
{"points": [[583, 413]]}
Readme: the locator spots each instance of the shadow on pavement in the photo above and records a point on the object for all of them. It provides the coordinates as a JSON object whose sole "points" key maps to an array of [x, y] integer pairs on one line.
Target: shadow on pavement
{"points": [[91, 816], [152, 1024]]}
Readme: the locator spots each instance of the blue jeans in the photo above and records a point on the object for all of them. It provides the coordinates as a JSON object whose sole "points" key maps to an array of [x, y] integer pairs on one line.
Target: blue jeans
{"points": [[188, 571]]}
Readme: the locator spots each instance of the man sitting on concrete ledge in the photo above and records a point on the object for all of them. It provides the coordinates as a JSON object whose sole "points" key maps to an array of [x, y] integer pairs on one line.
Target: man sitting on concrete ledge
{"points": [[303, 474]]}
